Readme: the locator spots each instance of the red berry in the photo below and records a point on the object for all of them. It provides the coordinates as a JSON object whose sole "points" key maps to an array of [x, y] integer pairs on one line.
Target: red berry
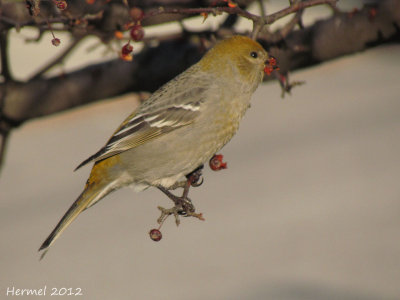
{"points": [[56, 42], [61, 4], [268, 70], [137, 32], [272, 61], [126, 49], [271, 65], [136, 14], [216, 163], [155, 235]]}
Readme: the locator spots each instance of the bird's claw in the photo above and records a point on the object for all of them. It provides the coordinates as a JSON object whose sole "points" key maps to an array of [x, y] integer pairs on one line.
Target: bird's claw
{"points": [[195, 178], [165, 213], [186, 209], [183, 205], [197, 183]]}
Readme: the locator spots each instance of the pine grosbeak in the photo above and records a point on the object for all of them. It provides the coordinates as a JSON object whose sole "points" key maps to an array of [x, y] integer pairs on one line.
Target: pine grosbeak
{"points": [[180, 127]]}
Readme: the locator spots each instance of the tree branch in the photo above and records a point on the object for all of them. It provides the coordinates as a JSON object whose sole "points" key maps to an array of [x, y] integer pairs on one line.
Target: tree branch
{"points": [[153, 66], [301, 48], [266, 20], [296, 7], [45, 96]]}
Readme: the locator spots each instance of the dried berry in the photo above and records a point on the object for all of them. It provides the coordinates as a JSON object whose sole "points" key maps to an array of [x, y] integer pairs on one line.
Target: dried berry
{"points": [[126, 49], [216, 162], [136, 14], [137, 32], [56, 42], [204, 15], [61, 4], [155, 235]]}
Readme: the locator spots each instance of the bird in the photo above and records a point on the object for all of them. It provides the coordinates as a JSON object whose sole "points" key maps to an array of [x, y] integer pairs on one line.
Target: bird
{"points": [[165, 142]]}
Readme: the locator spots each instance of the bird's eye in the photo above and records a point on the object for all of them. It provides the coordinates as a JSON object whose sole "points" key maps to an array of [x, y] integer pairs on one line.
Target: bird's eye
{"points": [[253, 54]]}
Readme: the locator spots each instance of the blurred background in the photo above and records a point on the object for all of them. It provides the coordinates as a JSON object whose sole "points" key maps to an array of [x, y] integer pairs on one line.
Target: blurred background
{"points": [[309, 207]]}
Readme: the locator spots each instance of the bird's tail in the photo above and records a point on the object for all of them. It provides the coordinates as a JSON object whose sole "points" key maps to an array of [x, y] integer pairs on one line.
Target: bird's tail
{"points": [[90, 195]]}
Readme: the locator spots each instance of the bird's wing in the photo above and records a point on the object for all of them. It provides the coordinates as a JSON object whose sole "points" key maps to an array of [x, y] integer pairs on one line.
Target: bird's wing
{"points": [[151, 121]]}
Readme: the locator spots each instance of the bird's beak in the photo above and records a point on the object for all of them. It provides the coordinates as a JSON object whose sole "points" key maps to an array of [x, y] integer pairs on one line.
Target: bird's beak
{"points": [[270, 65]]}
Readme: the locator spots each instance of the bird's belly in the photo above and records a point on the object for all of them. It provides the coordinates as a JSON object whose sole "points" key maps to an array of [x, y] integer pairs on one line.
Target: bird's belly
{"points": [[167, 159]]}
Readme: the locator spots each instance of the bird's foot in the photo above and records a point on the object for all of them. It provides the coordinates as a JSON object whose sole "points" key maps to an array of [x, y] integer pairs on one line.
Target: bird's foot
{"points": [[176, 211], [183, 205], [165, 213], [156, 235]]}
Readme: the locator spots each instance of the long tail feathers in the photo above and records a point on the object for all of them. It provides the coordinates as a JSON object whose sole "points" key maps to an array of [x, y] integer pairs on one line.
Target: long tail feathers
{"points": [[89, 196]]}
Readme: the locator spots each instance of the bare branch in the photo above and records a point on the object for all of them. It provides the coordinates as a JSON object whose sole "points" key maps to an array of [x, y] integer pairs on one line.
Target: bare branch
{"points": [[258, 21], [197, 11], [267, 20]]}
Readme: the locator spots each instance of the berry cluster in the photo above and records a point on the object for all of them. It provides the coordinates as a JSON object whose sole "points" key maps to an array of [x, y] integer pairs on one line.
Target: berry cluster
{"points": [[61, 5], [136, 32]]}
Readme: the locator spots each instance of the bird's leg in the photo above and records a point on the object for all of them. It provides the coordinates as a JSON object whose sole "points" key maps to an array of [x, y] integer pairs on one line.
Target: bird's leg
{"points": [[196, 176], [183, 205]]}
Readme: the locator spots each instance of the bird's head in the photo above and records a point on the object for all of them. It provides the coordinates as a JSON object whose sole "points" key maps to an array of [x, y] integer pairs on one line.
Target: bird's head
{"points": [[239, 59]]}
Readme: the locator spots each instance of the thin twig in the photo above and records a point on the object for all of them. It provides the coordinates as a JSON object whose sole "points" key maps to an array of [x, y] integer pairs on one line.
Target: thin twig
{"points": [[5, 68], [296, 7], [5, 72], [263, 11], [241, 12], [258, 21], [196, 11], [282, 32], [3, 145]]}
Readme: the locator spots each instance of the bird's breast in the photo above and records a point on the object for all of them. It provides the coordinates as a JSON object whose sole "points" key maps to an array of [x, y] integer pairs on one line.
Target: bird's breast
{"points": [[228, 114]]}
